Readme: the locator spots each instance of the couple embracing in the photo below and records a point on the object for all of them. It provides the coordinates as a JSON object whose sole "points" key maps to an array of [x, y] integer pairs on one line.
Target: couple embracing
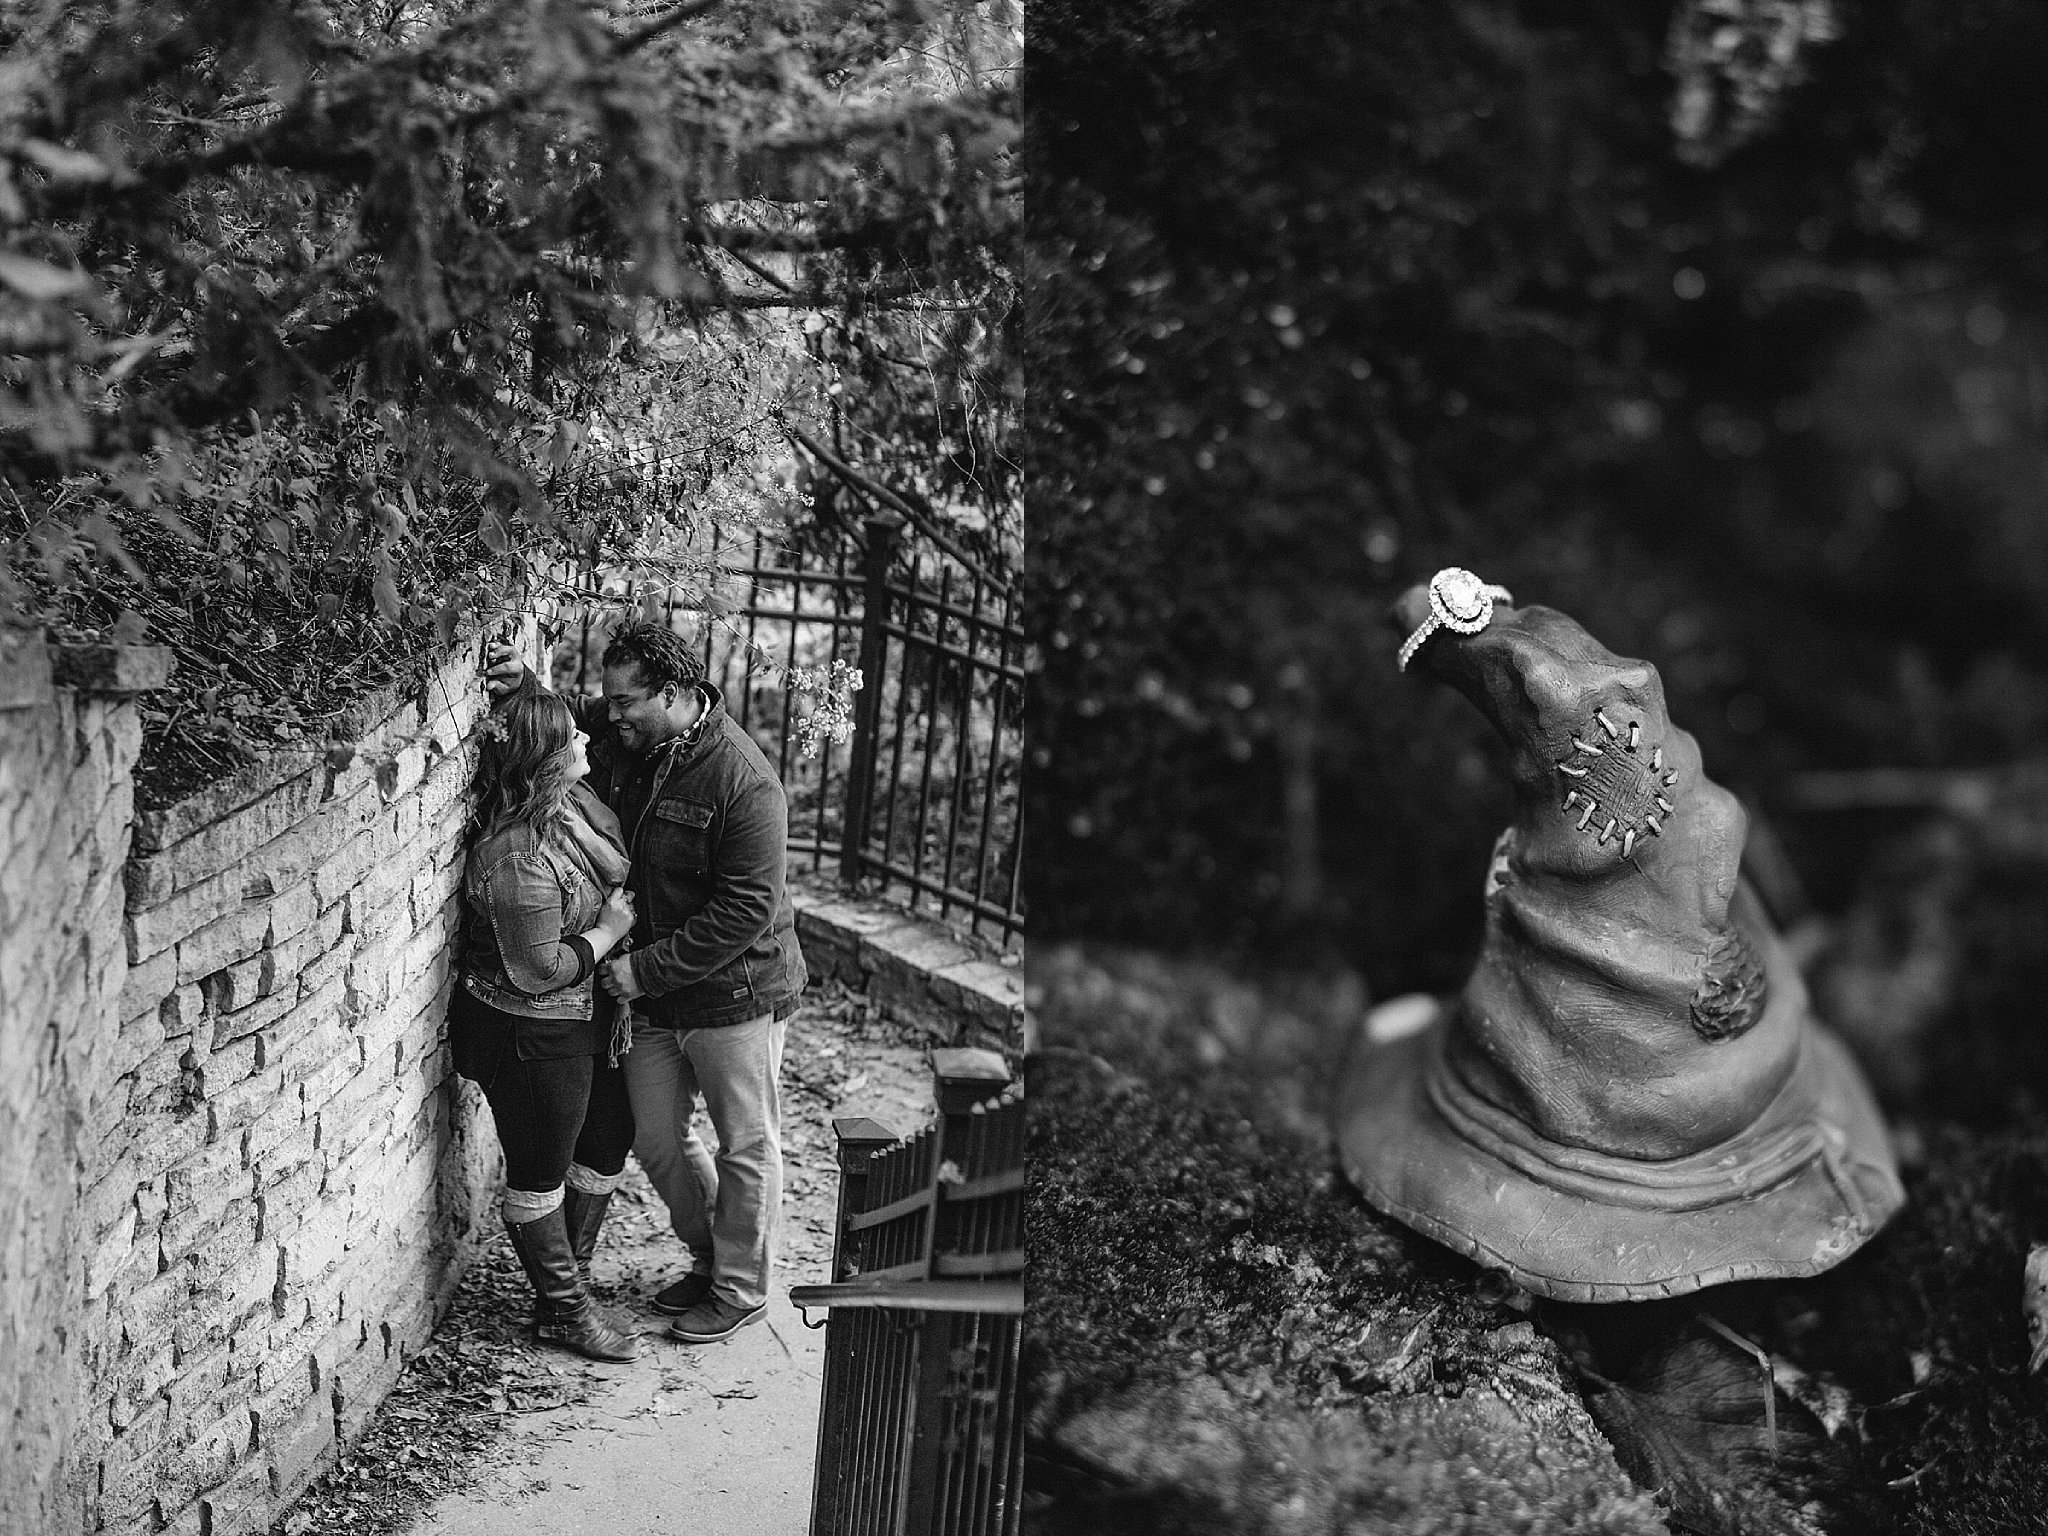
{"points": [[629, 947]]}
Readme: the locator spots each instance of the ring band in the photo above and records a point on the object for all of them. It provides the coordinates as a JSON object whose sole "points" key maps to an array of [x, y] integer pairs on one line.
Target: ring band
{"points": [[1458, 601]]}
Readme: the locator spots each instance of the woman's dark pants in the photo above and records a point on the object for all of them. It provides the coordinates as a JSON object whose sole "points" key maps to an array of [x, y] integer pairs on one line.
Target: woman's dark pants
{"points": [[549, 1112]]}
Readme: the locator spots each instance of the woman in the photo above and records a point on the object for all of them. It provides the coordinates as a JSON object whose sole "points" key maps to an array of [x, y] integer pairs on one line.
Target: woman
{"points": [[546, 900]]}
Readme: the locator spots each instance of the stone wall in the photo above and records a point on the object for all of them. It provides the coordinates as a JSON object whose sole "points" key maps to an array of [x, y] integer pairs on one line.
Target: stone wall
{"points": [[65, 756], [236, 1174], [958, 990]]}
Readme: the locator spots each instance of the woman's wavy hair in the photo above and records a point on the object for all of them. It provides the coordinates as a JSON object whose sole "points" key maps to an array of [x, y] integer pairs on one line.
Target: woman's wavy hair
{"points": [[523, 761]]}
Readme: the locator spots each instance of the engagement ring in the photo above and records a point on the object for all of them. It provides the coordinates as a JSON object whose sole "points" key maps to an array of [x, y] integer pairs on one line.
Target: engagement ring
{"points": [[1459, 601]]}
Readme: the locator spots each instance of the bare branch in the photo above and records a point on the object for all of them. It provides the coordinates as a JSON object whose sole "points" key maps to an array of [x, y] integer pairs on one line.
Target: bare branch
{"points": [[641, 36], [760, 271], [891, 297], [874, 490]]}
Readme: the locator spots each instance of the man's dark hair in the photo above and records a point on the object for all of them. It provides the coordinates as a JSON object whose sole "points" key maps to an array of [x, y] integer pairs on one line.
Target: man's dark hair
{"points": [[658, 652]]}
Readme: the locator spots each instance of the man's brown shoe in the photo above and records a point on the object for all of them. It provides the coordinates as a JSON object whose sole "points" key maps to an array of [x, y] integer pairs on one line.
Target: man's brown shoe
{"points": [[713, 1319], [677, 1299]]}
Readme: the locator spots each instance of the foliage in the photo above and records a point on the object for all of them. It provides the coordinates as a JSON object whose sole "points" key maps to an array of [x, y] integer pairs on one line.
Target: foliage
{"points": [[920, 399], [341, 320], [830, 717], [1325, 298], [1735, 61]]}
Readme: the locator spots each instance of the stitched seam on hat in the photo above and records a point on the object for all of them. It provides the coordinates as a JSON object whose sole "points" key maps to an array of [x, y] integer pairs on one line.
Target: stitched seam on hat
{"points": [[1620, 1181]]}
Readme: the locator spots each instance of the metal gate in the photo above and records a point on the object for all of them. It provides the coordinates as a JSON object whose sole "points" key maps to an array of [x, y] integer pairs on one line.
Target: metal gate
{"points": [[918, 1433], [924, 797]]}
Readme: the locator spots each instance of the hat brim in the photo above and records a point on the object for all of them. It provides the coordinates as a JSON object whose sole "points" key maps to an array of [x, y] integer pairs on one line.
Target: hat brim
{"points": [[1409, 1161]]}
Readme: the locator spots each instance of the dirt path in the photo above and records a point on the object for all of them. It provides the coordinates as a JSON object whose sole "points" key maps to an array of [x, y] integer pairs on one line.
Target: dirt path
{"points": [[488, 1432]]}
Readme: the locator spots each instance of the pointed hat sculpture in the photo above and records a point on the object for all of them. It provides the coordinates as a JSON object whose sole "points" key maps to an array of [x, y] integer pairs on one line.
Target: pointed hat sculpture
{"points": [[1630, 1098]]}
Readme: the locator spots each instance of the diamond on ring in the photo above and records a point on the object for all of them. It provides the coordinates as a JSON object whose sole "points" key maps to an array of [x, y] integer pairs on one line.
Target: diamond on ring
{"points": [[1458, 601]]}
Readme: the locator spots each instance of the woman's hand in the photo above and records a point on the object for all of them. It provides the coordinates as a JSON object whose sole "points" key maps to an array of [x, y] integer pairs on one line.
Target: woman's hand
{"points": [[618, 913], [614, 922]]}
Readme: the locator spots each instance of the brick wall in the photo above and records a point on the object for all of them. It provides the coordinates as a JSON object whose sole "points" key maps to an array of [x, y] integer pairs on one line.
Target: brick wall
{"points": [[236, 1175]]}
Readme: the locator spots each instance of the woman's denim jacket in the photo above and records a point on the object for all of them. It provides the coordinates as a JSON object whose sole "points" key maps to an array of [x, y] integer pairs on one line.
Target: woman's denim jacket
{"points": [[525, 895]]}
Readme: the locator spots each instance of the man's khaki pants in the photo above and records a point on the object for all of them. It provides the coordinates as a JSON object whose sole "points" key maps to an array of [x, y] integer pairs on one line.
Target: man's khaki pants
{"points": [[724, 1208]]}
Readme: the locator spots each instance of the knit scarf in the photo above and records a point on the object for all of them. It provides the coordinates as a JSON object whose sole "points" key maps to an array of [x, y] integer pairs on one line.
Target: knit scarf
{"points": [[591, 833]]}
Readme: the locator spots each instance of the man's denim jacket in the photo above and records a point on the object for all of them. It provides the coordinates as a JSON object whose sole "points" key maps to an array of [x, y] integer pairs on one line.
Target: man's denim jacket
{"points": [[706, 824]]}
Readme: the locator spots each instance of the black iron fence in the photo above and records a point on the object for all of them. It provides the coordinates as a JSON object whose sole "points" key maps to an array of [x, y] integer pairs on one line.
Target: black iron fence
{"points": [[918, 1433], [923, 796]]}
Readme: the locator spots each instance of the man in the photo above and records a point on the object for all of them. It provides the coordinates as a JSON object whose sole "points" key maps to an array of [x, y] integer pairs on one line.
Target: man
{"points": [[714, 971]]}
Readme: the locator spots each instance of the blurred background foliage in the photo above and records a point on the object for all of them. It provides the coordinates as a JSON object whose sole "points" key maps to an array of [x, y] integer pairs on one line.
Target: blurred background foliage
{"points": [[1721, 326]]}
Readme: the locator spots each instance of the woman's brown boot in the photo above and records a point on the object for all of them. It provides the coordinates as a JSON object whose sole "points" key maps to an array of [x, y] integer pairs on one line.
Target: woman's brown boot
{"points": [[566, 1314], [584, 1214]]}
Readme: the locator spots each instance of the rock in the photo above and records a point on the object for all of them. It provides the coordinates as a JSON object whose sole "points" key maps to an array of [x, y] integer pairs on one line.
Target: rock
{"points": [[1202, 1456], [2035, 1303]]}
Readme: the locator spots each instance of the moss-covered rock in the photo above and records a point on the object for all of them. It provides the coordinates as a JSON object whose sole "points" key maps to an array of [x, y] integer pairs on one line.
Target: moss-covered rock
{"points": [[1222, 1336], [1198, 1455]]}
